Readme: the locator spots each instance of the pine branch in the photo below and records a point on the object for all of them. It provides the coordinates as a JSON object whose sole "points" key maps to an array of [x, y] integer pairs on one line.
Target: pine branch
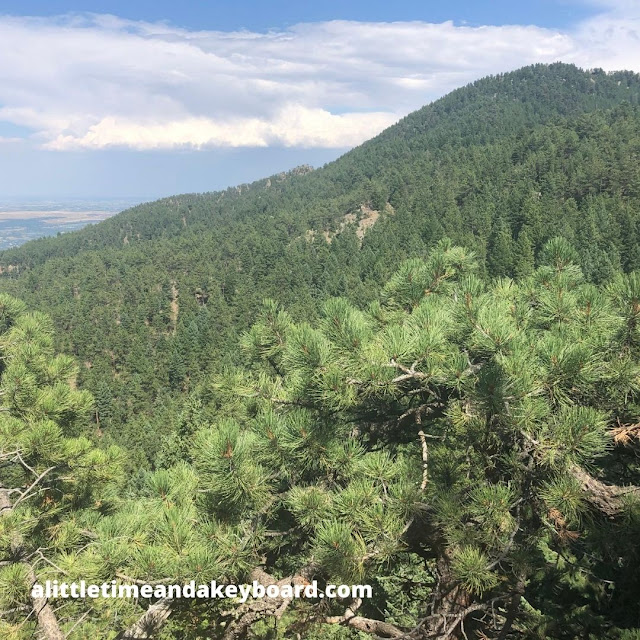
{"points": [[512, 609], [151, 621], [25, 465], [42, 557], [508, 546], [131, 580], [5, 500], [369, 625], [625, 434], [77, 622], [47, 621], [437, 625], [26, 493], [250, 612], [606, 497], [425, 460], [409, 373], [9, 454]]}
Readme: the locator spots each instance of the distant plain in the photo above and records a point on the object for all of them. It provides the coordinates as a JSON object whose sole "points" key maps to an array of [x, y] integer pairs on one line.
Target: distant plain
{"points": [[24, 220]]}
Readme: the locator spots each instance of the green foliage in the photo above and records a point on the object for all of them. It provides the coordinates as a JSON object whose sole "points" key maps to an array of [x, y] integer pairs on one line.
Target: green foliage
{"points": [[339, 551], [469, 567], [152, 301], [514, 395], [53, 478], [225, 458], [425, 404], [463, 422]]}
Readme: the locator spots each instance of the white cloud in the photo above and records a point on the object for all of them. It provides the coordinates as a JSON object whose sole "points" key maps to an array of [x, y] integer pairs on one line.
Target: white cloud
{"points": [[93, 82], [294, 126]]}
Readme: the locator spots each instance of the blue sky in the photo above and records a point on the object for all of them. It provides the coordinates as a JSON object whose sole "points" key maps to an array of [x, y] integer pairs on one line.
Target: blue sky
{"points": [[261, 15], [153, 98]]}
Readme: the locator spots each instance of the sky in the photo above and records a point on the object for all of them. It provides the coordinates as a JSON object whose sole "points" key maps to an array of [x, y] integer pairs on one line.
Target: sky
{"points": [[152, 98]]}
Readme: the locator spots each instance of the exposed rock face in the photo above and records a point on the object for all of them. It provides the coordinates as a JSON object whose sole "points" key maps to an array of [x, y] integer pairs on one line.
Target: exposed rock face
{"points": [[364, 220]]}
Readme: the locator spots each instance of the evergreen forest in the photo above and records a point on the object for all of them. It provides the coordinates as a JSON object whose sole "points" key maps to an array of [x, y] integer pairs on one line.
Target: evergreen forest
{"points": [[417, 368]]}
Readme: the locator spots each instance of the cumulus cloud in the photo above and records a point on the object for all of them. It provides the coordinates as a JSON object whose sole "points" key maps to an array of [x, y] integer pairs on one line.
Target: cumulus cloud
{"points": [[294, 126], [97, 81]]}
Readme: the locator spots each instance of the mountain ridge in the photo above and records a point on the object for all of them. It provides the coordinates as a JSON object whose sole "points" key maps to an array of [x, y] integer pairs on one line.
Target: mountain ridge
{"points": [[554, 152], [458, 102]]}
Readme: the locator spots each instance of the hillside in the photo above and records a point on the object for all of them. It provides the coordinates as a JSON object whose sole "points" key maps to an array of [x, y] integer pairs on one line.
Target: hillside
{"points": [[415, 370], [153, 299]]}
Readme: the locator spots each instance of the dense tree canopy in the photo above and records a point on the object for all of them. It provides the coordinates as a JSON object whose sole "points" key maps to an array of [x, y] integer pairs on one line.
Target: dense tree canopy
{"points": [[153, 299], [467, 447], [54, 482], [459, 430], [417, 368]]}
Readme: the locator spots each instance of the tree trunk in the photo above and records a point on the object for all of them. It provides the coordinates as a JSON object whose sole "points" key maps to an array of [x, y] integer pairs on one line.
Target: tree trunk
{"points": [[449, 602], [47, 621]]}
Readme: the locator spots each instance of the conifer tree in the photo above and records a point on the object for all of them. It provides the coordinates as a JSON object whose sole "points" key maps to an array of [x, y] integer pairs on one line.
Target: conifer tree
{"points": [[466, 447], [500, 250], [523, 255], [53, 481], [463, 424]]}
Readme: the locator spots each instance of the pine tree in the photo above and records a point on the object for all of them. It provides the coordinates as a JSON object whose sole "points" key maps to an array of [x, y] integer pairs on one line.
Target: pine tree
{"points": [[177, 369], [500, 250], [53, 480], [455, 433], [103, 404], [464, 425], [523, 255]]}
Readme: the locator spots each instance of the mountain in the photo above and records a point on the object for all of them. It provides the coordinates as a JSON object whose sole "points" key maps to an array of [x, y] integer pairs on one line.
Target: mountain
{"points": [[439, 402], [153, 300]]}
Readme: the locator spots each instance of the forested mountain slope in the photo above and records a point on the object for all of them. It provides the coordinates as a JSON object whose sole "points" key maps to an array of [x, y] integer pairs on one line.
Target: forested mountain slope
{"points": [[467, 448], [464, 438], [155, 297]]}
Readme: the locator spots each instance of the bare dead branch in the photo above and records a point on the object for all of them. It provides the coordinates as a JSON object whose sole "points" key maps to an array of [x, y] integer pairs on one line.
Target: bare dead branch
{"points": [[606, 497], [26, 493], [47, 621], [425, 460]]}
